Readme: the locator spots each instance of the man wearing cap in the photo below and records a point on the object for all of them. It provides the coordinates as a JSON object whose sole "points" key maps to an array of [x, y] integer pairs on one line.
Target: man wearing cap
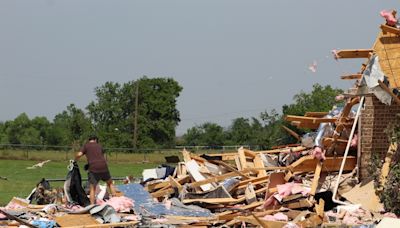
{"points": [[98, 169]]}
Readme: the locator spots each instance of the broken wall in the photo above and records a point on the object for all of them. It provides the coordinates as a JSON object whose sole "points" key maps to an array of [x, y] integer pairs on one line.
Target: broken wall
{"points": [[375, 117]]}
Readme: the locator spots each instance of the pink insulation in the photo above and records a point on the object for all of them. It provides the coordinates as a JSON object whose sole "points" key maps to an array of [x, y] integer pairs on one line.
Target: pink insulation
{"points": [[120, 203], [390, 19]]}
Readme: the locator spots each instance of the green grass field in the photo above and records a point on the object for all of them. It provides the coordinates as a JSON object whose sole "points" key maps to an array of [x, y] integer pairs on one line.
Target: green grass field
{"points": [[20, 180]]}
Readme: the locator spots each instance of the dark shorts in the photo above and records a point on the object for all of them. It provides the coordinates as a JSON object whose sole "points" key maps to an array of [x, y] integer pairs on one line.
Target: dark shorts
{"points": [[94, 178]]}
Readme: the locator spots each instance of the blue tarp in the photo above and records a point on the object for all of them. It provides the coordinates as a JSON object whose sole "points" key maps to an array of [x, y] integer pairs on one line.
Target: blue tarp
{"points": [[145, 205]]}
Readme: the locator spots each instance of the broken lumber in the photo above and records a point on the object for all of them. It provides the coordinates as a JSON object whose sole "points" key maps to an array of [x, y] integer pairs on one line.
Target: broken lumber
{"points": [[354, 53]]}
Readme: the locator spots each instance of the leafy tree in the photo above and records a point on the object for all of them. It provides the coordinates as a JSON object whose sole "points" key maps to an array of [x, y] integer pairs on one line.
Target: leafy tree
{"points": [[207, 134], [112, 113], [42, 125], [320, 99], [3, 134], [69, 127], [15, 129]]}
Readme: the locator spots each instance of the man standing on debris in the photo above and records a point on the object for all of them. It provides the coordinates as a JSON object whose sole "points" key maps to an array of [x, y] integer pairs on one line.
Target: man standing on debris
{"points": [[98, 169]]}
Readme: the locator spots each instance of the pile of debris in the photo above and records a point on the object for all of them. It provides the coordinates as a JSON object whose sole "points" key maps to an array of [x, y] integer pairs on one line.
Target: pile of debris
{"points": [[313, 183], [283, 187]]}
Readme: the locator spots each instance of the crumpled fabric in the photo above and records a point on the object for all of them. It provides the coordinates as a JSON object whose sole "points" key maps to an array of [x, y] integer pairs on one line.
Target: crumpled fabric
{"points": [[73, 186], [120, 203]]}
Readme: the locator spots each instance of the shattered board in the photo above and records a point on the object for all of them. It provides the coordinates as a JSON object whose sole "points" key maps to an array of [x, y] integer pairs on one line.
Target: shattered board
{"points": [[145, 205]]}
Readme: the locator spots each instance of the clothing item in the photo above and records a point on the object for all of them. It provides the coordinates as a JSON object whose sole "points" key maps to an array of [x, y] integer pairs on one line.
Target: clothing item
{"points": [[94, 178], [73, 186], [95, 157]]}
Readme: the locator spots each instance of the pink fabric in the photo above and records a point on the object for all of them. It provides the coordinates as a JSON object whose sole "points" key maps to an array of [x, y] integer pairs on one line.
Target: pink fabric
{"points": [[318, 153], [388, 15], [120, 203]]}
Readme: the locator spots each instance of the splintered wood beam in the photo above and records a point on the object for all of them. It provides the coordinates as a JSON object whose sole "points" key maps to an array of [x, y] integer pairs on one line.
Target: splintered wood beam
{"points": [[284, 150], [291, 132], [216, 179], [313, 120], [389, 29], [331, 164], [210, 200], [388, 160], [354, 53], [315, 180], [351, 76], [316, 114], [383, 86]]}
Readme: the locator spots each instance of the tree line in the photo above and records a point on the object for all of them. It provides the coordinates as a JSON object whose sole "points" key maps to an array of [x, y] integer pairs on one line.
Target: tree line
{"points": [[264, 131], [111, 116]]}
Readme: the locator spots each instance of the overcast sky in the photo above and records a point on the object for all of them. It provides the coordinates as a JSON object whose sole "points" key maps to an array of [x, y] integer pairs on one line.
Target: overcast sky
{"points": [[232, 58]]}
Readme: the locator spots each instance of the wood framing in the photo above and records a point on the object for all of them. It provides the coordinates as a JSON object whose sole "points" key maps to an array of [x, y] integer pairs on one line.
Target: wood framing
{"points": [[354, 53]]}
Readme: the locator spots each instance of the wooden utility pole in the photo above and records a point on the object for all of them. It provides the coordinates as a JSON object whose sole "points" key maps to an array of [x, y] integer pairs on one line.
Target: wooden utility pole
{"points": [[135, 129]]}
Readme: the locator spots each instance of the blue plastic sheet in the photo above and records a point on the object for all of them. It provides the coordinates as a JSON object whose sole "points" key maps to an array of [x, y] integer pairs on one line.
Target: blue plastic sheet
{"points": [[145, 205]]}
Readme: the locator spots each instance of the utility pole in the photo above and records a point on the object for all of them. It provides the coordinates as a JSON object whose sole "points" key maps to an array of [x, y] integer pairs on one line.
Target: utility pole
{"points": [[135, 132]]}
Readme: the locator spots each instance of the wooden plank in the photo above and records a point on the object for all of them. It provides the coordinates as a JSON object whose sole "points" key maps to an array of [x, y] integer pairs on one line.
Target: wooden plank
{"points": [[186, 155], [351, 76], [331, 164], [246, 207], [119, 224], [313, 120], [316, 114], [384, 87], [270, 224], [193, 169], [354, 53], [255, 181], [315, 181], [299, 204], [242, 158], [155, 186], [216, 179], [230, 168], [175, 183], [258, 163], [210, 200], [292, 133], [249, 153], [76, 220], [284, 150], [162, 193], [389, 29], [388, 160]]}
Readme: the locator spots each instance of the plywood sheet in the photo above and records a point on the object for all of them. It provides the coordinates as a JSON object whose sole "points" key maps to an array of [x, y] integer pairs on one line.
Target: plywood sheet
{"points": [[364, 194], [387, 47], [76, 220]]}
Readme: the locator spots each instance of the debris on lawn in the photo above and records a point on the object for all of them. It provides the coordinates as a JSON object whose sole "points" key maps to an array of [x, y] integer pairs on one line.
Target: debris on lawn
{"points": [[313, 183]]}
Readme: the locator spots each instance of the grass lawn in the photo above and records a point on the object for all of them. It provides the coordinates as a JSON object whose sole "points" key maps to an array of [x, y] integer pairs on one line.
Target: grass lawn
{"points": [[21, 180]]}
